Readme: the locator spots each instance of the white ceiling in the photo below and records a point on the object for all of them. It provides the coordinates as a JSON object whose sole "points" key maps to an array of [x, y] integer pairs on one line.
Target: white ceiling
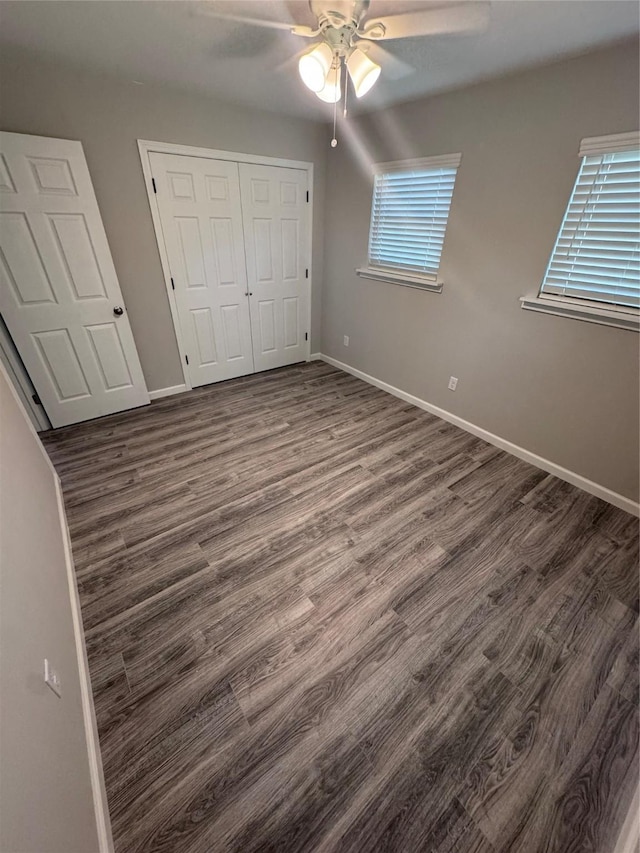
{"points": [[172, 43]]}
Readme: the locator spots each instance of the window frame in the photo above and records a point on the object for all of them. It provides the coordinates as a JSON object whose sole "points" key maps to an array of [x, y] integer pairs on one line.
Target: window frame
{"points": [[613, 314], [405, 275]]}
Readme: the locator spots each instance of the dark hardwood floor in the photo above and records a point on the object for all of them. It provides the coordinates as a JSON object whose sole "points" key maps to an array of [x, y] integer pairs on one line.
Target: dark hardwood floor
{"points": [[320, 619]]}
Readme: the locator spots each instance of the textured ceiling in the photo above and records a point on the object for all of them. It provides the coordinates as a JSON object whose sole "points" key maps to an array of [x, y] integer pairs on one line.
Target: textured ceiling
{"points": [[173, 43]]}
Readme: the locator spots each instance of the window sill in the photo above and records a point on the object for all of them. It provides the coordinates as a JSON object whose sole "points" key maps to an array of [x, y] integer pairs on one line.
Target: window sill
{"points": [[406, 279], [629, 320]]}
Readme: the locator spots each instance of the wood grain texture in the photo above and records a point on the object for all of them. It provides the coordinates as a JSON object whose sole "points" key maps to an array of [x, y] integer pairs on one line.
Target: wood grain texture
{"points": [[319, 619]]}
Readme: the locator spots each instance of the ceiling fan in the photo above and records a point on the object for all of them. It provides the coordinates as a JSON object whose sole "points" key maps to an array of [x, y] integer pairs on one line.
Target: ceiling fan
{"points": [[345, 34]]}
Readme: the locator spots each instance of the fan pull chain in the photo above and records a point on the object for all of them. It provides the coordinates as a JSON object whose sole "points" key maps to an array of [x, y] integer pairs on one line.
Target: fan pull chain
{"points": [[334, 141], [346, 89]]}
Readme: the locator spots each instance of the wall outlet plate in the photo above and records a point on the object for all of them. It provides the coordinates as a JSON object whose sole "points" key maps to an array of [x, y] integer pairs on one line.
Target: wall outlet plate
{"points": [[453, 382], [52, 678], [345, 340]]}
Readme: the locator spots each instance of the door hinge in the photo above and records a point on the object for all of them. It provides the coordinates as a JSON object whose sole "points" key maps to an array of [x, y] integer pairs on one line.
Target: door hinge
{"points": [[307, 196], [153, 181], [173, 287], [186, 358], [306, 336], [306, 273], [36, 399]]}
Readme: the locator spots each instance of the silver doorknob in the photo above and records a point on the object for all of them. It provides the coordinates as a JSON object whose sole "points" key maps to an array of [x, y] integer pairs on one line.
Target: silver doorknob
{"points": [[118, 311]]}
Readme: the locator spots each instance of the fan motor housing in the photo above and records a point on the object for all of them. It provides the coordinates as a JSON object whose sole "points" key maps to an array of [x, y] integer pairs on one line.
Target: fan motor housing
{"points": [[339, 13]]}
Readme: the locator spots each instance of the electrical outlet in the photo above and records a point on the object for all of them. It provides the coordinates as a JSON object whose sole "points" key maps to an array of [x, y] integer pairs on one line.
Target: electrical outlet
{"points": [[453, 382], [346, 340], [52, 678]]}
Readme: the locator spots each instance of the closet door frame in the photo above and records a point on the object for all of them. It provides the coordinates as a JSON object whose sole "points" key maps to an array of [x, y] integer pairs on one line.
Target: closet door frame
{"points": [[145, 148]]}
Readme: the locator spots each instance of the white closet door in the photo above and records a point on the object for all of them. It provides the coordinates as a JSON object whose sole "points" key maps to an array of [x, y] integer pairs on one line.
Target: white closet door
{"points": [[199, 203], [274, 210], [59, 293]]}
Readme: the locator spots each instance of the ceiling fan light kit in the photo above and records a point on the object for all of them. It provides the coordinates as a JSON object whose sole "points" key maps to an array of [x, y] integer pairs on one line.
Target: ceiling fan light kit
{"points": [[363, 72], [314, 67], [331, 93]]}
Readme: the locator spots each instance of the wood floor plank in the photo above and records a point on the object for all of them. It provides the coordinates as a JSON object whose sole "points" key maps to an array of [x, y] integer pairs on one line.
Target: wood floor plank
{"points": [[319, 619]]}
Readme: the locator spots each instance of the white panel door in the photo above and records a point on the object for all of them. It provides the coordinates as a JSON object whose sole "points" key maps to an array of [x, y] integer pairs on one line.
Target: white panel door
{"points": [[59, 293], [274, 209], [199, 204]]}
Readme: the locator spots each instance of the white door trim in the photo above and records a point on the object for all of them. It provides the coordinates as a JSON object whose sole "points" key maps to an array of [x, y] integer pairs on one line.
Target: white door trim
{"points": [[145, 147], [20, 379]]}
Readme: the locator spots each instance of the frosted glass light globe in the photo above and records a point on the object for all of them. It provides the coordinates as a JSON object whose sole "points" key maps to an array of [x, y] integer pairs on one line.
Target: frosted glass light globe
{"points": [[315, 66]]}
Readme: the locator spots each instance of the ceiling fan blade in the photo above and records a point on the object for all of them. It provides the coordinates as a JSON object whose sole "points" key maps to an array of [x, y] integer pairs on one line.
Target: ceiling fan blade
{"points": [[392, 67], [292, 62], [296, 29], [462, 18]]}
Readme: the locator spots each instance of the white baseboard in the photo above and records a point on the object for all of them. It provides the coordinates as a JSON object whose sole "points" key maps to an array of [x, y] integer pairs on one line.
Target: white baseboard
{"points": [[540, 462], [316, 356], [629, 838], [167, 392], [103, 821]]}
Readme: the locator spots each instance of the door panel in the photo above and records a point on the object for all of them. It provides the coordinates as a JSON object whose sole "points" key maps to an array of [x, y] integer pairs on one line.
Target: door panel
{"points": [[274, 212], [61, 364], [263, 259], [58, 285], [205, 336], [291, 321], [222, 239], [267, 326], [232, 331], [199, 204], [110, 356], [77, 255], [22, 265]]}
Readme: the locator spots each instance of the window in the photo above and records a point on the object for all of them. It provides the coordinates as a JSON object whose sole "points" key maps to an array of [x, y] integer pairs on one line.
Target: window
{"points": [[597, 253], [409, 214]]}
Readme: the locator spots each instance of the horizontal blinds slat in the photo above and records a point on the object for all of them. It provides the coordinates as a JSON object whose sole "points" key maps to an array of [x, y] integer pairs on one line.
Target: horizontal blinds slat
{"points": [[630, 301], [597, 252], [595, 282], [424, 200], [595, 191], [607, 269], [398, 240], [604, 239], [433, 228], [406, 248], [419, 258], [409, 217], [410, 212], [588, 265], [600, 260], [402, 236]]}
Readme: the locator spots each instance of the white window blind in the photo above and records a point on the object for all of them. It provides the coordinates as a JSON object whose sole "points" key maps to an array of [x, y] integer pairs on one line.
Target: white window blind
{"points": [[409, 214], [597, 253]]}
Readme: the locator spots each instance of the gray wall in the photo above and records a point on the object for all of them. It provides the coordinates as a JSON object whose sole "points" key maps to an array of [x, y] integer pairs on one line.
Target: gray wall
{"points": [[45, 791], [564, 389], [560, 388], [108, 116]]}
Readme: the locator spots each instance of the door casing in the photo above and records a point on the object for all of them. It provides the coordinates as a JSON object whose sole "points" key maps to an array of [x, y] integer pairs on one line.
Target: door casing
{"points": [[145, 147]]}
